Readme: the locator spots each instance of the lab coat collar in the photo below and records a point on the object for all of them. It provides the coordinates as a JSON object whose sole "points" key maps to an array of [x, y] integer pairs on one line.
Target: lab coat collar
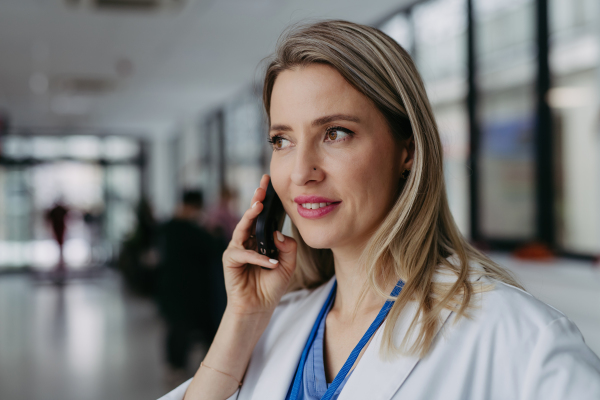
{"points": [[372, 378], [276, 366], [377, 378]]}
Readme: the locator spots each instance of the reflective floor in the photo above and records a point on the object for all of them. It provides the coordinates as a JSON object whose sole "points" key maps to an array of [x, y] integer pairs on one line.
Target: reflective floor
{"points": [[92, 341], [86, 341]]}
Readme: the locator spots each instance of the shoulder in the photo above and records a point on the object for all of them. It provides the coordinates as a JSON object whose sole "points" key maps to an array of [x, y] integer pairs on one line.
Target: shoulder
{"points": [[538, 341], [506, 320], [496, 303], [166, 224], [508, 305], [502, 315], [510, 345]]}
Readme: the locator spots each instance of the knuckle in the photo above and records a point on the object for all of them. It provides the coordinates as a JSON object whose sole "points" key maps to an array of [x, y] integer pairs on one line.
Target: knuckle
{"points": [[226, 256], [251, 254]]}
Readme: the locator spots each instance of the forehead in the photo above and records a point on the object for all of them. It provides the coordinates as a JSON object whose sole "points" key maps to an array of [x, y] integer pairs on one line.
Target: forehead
{"points": [[314, 90]]}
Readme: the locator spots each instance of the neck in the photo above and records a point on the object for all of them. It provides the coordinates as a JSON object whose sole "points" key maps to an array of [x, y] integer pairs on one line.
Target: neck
{"points": [[351, 281]]}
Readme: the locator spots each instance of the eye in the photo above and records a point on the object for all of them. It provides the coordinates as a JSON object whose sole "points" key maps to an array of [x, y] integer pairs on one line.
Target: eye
{"points": [[337, 133], [278, 142]]}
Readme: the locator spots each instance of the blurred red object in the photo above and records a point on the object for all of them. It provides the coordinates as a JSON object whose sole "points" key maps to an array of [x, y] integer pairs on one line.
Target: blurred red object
{"points": [[534, 251]]}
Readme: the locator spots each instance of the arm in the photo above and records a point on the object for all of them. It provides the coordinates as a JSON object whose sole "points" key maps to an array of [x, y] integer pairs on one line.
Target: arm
{"points": [[562, 366], [230, 352]]}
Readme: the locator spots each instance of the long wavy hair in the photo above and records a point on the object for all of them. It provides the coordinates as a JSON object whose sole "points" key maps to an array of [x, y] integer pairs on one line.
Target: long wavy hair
{"points": [[418, 237]]}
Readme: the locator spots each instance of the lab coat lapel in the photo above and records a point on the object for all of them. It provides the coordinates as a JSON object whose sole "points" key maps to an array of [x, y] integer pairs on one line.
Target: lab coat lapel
{"points": [[276, 356], [377, 379]]}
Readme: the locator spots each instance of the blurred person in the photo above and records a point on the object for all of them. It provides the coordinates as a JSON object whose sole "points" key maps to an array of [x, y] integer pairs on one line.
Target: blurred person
{"points": [[188, 255], [57, 218], [222, 219], [377, 294], [139, 256]]}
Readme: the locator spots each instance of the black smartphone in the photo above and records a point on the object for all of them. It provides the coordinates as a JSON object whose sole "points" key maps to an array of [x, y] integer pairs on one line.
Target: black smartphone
{"points": [[268, 221]]}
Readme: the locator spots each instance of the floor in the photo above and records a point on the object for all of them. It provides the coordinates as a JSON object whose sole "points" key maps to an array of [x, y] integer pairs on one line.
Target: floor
{"points": [[91, 340]]}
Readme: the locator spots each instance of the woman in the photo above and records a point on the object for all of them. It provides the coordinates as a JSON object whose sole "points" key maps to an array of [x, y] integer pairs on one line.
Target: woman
{"points": [[386, 300]]}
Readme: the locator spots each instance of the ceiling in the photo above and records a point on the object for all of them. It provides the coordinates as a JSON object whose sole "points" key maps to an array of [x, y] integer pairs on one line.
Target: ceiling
{"points": [[67, 65]]}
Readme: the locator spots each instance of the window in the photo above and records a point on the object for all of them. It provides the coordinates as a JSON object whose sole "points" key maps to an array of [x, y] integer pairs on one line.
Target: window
{"points": [[505, 46], [574, 99]]}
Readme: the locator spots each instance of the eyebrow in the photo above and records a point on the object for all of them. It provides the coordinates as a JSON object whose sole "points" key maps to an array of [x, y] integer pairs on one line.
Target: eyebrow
{"points": [[319, 121]]}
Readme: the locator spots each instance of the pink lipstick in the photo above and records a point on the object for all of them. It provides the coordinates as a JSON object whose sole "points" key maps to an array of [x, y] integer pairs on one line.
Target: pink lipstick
{"points": [[322, 206]]}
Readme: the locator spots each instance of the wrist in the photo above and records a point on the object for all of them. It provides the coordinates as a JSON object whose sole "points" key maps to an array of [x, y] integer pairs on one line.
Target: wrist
{"points": [[248, 323], [225, 363]]}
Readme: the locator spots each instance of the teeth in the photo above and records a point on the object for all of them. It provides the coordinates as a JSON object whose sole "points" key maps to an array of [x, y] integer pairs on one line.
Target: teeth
{"points": [[314, 206]]}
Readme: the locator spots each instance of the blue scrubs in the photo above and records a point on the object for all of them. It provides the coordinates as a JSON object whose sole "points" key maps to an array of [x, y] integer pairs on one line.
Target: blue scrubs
{"points": [[309, 381], [314, 384]]}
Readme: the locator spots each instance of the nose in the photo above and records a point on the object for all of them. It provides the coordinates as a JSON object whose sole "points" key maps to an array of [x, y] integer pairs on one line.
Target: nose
{"points": [[307, 165]]}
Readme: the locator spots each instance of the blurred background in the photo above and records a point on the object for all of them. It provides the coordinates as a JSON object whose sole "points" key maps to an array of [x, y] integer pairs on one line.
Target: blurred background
{"points": [[132, 139]]}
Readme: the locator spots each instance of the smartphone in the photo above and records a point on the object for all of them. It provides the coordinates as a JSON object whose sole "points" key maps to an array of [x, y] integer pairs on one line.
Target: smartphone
{"points": [[268, 221]]}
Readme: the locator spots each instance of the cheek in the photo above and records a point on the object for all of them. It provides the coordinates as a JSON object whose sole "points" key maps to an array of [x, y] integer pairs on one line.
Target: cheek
{"points": [[370, 167], [280, 179], [370, 177]]}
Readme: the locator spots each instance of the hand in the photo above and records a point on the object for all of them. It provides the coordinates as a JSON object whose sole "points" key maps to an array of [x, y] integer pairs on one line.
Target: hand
{"points": [[250, 288]]}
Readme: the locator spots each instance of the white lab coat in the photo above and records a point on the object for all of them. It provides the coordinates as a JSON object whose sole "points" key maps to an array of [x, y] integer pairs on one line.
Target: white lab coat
{"points": [[513, 348]]}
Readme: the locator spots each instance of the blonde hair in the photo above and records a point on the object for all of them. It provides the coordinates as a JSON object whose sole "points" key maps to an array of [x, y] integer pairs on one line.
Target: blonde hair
{"points": [[419, 234]]}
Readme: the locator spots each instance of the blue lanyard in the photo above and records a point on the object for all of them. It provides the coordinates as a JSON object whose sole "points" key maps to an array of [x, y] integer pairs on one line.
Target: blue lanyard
{"points": [[339, 378]]}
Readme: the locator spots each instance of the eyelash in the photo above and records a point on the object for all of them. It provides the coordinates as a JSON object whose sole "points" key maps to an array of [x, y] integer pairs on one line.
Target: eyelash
{"points": [[273, 139]]}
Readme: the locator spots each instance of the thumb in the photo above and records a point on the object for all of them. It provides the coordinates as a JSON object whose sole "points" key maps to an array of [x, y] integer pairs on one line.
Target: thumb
{"points": [[287, 251]]}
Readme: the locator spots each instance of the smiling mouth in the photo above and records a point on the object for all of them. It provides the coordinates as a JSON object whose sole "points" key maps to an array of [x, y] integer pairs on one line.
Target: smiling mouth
{"points": [[316, 210], [314, 206]]}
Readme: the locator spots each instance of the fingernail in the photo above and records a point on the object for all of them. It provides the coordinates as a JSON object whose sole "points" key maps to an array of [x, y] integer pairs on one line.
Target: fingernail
{"points": [[255, 190], [272, 261], [279, 236], [255, 204]]}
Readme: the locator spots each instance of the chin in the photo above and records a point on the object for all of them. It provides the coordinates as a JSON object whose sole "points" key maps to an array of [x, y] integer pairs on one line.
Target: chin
{"points": [[318, 238]]}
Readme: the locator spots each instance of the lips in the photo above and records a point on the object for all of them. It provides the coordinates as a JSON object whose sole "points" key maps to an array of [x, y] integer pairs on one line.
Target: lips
{"points": [[314, 199], [318, 212]]}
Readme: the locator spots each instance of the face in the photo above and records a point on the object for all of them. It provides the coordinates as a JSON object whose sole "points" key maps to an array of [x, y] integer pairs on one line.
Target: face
{"points": [[333, 153]]}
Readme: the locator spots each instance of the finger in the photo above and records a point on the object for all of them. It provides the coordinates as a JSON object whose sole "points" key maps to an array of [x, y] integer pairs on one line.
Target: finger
{"points": [[287, 247], [261, 190], [264, 181], [249, 243], [243, 229], [240, 257]]}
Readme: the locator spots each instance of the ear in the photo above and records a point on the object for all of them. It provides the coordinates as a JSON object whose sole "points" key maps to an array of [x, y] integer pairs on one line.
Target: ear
{"points": [[407, 154]]}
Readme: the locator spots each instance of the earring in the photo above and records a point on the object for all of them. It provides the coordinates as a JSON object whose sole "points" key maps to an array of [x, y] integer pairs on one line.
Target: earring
{"points": [[405, 173]]}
